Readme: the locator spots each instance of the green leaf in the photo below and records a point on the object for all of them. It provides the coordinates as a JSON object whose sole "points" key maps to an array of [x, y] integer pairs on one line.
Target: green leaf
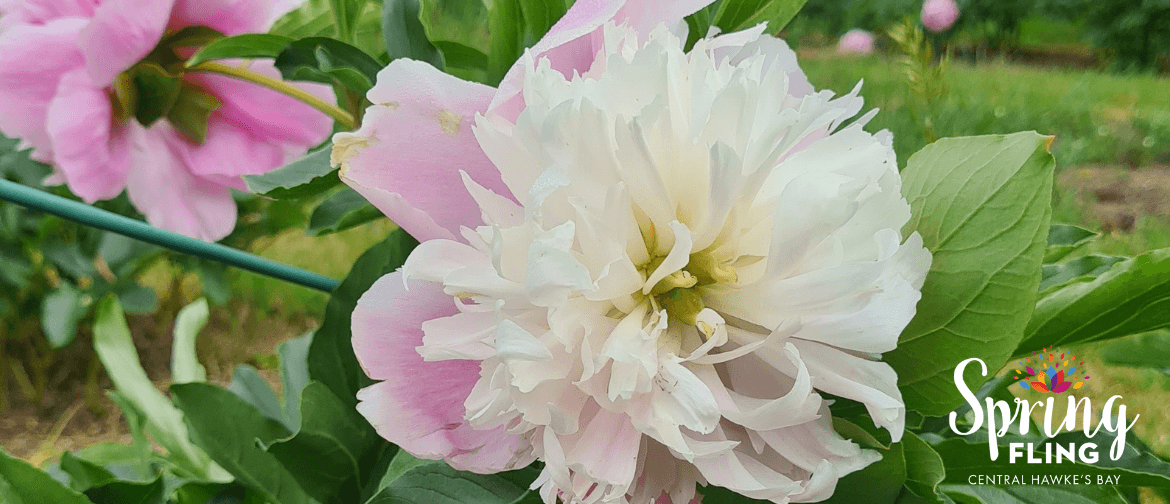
{"points": [[540, 16], [345, 14], [307, 176], [251, 387], [61, 310], [137, 299], [321, 59], [1133, 297], [459, 29], [331, 358], [323, 455], [699, 23], [981, 205], [1039, 494], [229, 429], [294, 374], [879, 483], [1150, 350], [314, 18], [191, 112], [736, 15], [1081, 268], [214, 280], [128, 492], [345, 209], [924, 468], [401, 464], [21, 483], [248, 45], [115, 349], [404, 33], [156, 91], [1063, 239], [439, 484], [84, 474], [507, 43], [185, 366]]}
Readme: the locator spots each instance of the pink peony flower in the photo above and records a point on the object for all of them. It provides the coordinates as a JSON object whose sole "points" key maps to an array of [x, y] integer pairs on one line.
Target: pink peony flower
{"points": [[641, 266], [939, 15], [856, 41], [59, 63]]}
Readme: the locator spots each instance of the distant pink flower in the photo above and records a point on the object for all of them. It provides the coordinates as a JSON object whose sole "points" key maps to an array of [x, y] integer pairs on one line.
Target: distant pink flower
{"points": [[856, 41], [939, 15], [648, 268], [59, 60]]}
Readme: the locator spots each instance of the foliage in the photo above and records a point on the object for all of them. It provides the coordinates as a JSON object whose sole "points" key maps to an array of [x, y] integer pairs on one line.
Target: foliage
{"points": [[997, 22], [1004, 281]]}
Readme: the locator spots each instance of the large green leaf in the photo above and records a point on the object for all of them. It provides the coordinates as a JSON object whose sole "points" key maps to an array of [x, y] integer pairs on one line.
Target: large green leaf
{"points": [[330, 61], [331, 358], [439, 484], [404, 33], [229, 429], [1063, 239], [1079, 269], [982, 206], [248, 45], [540, 16], [925, 470], [506, 24], [1150, 350], [294, 374], [164, 423], [84, 474], [324, 453], [185, 366], [736, 15], [307, 176], [251, 387], [879, 483], [342, 210], [1038, 494], [61, 310], [1133, 297], [21, 483], [128, 492], [460, 30]]}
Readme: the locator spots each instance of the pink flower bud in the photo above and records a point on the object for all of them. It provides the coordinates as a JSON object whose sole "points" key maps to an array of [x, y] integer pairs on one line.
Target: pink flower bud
{"points": [[939, 15], [856, 41]]}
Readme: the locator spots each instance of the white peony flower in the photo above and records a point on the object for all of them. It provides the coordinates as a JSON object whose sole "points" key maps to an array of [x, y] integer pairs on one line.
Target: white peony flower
{"points": [[693, 252]]}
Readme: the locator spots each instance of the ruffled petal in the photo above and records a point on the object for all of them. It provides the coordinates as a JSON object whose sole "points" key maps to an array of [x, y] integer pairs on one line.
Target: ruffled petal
{"points": [[419, 405], [43, 11], [32, 61], [90, 152], [230, 17], [163, 188], [120, 34], [407, 157], [266, 114]]}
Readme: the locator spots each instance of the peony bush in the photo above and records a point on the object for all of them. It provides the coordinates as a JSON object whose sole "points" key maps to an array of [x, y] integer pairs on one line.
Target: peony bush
{"points": [[641, 259]]}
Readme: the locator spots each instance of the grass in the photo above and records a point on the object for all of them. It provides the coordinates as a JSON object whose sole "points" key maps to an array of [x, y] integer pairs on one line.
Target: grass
{"points": [[1097, 118]]}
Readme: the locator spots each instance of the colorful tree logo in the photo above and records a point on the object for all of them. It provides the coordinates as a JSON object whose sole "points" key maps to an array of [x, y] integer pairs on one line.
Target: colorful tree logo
{"points": [[1049, 373]]}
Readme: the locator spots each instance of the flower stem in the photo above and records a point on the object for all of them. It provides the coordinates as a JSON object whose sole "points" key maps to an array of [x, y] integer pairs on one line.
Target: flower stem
{"points": [[341, 116]]}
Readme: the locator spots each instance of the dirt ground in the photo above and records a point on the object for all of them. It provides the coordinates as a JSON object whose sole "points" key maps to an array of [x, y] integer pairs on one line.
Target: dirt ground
{"points": [[235, 334], [240, 333], [1118, 197]]}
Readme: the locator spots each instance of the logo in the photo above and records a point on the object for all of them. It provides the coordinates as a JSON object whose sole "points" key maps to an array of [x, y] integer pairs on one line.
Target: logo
{"points": [[1048, 373]]}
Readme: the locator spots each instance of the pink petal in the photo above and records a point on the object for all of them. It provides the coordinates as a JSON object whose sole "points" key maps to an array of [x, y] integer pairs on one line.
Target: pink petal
{"points": [[939, 15], [231, 152], [570, 45], [44, 11], [419, 405], [230, 17], [93, 159], [856, 41], [266, 114], [413, 142], [120, 34], [163, 188], [32, 61]]}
